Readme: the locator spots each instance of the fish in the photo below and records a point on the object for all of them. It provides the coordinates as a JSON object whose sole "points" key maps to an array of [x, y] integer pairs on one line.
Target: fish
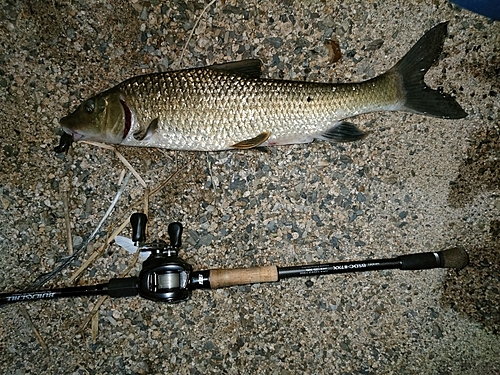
{"points": [[229, 106]]}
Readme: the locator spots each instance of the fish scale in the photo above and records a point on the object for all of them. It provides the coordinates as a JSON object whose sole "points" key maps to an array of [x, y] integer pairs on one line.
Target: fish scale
{"points": [[241, 113], [228, 106], [226, 109]]}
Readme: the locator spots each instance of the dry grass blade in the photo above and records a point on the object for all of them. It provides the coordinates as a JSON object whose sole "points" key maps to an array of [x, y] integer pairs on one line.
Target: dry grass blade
{"points": [[100, 251], [193, 30], [146, 202], [101, 300], [160, 186], [120, 178], [131, 169], [95, 326], [67, 220], [27, 316], [92, 313], [122, 159], [99, 144]]}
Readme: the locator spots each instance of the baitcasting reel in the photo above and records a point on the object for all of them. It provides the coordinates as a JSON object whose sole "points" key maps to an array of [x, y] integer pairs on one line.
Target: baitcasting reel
{"points": [[164, 276]]}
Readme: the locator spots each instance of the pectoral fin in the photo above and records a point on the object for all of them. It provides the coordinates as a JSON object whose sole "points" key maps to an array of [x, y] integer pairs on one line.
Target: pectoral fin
{"points": [[252, 142], [145, 134]]}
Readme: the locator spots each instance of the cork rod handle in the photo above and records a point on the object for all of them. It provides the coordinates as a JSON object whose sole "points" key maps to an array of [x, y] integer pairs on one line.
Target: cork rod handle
{"points": [[241, 276]]}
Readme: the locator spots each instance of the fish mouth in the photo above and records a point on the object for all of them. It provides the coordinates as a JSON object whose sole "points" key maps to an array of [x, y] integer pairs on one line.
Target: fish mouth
{"points": [[76, 136], [66, 127]]}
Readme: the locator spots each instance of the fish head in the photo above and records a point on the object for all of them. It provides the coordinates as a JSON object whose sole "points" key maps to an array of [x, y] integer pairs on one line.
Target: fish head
{"points": [[102, 118]]}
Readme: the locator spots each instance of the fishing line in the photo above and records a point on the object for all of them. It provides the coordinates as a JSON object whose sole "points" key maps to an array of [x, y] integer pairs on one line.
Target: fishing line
{"points": [[50, 275]]}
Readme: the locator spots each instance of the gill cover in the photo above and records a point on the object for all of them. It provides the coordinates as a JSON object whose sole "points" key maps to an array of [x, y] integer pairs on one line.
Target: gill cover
{"points": [[100, 118]]}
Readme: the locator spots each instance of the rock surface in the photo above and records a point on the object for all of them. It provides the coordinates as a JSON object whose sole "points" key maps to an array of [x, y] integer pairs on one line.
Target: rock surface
{"points": [[415, 184]]}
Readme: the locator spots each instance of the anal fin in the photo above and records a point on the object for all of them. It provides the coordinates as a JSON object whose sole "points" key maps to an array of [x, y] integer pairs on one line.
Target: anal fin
{"points": [[252, 142], [262, 149], [343, 131]]}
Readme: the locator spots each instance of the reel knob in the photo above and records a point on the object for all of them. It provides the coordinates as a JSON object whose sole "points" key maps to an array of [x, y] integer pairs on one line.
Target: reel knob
{"points": [[138, 222], [175, 233]]}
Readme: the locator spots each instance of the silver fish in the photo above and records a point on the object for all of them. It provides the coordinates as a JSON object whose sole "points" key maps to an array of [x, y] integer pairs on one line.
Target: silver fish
{"points": [[229, 107]]}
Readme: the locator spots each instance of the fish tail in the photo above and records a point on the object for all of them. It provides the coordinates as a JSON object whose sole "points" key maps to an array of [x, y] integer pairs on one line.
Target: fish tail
{"points": [[419, 97]]}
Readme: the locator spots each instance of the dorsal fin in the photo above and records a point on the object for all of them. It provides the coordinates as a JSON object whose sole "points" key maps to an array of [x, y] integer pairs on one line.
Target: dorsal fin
{"points": [[250, 68]]}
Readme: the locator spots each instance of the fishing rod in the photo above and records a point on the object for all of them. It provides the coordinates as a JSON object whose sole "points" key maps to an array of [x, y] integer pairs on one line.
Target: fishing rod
{"points": [[167, 278]]}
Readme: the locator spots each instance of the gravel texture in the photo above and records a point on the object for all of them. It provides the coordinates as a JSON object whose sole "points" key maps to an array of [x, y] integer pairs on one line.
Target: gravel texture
{"points": [[414, 184]]}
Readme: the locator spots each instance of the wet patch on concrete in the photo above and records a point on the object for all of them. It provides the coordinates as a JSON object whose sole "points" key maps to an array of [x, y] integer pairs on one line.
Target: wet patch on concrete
{"points": [[480, 171], [474, 291]]}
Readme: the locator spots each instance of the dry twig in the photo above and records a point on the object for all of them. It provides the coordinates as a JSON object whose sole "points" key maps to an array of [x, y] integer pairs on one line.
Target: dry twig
{"points": [[95, 326]]}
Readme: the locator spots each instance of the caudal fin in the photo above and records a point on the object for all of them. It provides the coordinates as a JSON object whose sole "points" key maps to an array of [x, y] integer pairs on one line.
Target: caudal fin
{"points": [[412, 67]]}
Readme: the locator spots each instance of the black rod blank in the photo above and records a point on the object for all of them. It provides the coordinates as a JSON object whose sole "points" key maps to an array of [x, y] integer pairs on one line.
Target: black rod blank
{"points": [[450, 258], [126, 287], [332, 268]]}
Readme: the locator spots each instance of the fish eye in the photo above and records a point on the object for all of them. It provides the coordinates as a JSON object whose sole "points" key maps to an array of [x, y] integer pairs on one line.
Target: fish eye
{"points": [[89, 106]]}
